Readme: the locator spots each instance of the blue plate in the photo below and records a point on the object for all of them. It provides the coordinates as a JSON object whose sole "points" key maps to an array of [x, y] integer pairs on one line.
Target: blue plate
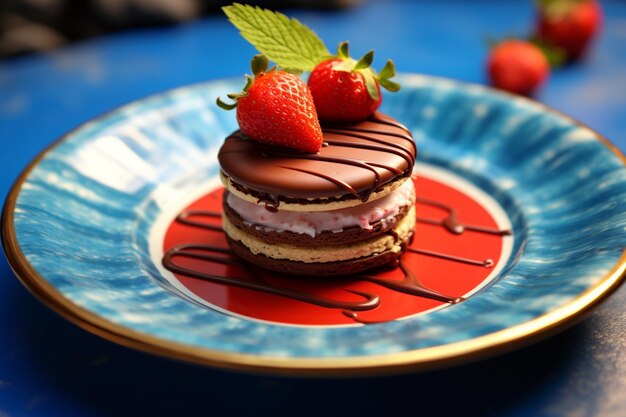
{"points": [[80, 223]]}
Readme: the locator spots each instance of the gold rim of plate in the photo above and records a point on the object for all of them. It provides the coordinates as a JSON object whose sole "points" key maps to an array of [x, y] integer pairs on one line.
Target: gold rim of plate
{"points": [[429, 358]]}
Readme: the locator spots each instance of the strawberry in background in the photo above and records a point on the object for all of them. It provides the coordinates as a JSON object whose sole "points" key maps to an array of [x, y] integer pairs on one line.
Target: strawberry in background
{"points": [[517, 66], [569, 25]]}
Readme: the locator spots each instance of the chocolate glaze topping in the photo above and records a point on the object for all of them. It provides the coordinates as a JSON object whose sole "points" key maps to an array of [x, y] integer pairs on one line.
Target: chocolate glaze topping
{"points": [[358, 159]]}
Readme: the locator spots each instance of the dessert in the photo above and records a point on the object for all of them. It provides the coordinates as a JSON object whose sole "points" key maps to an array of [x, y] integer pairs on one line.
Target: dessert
{"points": [[345, 209], [310, 193], [325, 193], [449, 258]]}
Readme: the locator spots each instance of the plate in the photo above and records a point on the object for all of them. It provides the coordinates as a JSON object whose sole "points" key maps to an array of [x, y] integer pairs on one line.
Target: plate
{"points": [[87, 225]]}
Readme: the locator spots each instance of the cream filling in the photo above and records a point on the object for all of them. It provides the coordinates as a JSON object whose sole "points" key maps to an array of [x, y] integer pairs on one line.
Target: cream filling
{"points": [[321, 254], [384, 209]]}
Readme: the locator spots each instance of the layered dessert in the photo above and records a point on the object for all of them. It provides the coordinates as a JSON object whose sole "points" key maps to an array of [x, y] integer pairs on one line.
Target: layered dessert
{"points": [[345, 209], [318, 182], [316, 178]]}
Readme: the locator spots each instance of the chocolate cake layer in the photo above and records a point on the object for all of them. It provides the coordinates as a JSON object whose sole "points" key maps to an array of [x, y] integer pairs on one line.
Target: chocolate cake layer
{"points": [[327, 238], [357, 160], [328, 269]]}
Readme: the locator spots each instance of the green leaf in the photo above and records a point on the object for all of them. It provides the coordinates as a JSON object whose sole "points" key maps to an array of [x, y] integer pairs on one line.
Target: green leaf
{"points": [[365, 61], [294, 71], [343, 50], [389, 85], [370, 83], [259, 64], [556, 9], [388, 71], [285, 41], [556, 56], [491, 41]]}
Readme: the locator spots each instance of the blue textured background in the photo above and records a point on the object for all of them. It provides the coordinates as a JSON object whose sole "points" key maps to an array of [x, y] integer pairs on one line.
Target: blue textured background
{"points": [[50, 367]]}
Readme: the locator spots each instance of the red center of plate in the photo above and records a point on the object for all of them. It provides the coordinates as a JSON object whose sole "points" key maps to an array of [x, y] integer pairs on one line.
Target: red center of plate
{"points": [[457, 244]]}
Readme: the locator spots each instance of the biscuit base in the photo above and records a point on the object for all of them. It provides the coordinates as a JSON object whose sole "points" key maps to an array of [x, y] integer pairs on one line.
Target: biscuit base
{"points": [[319, 269]]}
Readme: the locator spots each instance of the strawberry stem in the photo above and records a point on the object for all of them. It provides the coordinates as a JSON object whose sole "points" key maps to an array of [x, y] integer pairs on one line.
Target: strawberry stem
{"points": [[370, 83], [363, 67], [557, 9], [343, 50], [389, 85], [259, 64], [225, 106], [365, 61], [249, 82], [388, 71], [556, 56]]}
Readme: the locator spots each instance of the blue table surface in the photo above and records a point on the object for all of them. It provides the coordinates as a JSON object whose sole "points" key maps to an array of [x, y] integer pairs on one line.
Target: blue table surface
{"points": [[50, 367]]}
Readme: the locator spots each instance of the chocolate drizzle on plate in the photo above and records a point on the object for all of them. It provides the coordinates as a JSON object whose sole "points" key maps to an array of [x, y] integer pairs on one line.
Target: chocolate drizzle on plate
{"points": [[215, 254], [487, 263], [451, 221], [408, 284], [191, 218]]}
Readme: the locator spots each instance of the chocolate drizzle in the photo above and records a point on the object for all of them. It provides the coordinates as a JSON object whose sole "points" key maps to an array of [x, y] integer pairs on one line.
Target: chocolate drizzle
{"points": [[451, 221], [380, 145], [364, 196], [391, 148], [186, 218], [340, 183], [355, 316], [205, 253], [408, 284], [487, 263]]}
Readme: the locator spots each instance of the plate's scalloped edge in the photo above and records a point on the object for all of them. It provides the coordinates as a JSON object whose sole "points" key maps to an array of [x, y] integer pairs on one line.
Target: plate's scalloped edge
{"points": [[401, 362]]}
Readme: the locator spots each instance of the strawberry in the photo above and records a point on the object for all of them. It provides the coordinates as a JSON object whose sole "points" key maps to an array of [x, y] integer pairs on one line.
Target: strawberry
{"points": [[517, 66], [569, 24], [276, 108], [347, 90]]}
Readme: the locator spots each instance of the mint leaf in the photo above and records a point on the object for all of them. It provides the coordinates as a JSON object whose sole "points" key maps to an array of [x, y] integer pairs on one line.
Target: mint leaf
{"points": [[287, 42]]}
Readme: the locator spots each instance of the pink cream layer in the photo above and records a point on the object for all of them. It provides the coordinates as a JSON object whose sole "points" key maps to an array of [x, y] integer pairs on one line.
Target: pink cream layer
{"points": [[313, 223]]}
